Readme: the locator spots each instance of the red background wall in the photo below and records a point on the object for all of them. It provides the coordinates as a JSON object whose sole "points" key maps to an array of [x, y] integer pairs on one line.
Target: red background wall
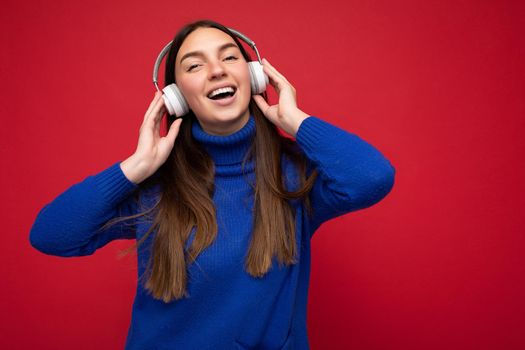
{"points": [[437, 86]]}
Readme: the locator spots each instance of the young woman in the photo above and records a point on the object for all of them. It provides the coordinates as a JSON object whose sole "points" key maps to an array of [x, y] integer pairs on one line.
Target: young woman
{"points": [[223, 207]]}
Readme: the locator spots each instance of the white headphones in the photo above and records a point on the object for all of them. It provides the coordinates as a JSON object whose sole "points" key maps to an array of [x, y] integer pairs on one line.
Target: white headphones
{"points": [[174, 100]]}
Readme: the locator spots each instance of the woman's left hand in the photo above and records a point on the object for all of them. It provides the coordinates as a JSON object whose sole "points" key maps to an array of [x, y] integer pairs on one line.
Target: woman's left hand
{"points": [[285, 115]]}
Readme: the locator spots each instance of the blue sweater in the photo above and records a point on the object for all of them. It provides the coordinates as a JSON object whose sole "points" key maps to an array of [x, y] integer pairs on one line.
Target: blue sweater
{"points": [[226, 308]]}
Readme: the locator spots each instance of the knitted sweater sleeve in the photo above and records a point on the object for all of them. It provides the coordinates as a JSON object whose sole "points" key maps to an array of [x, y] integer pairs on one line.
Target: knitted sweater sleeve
{"points": [[352, 174], [70, 225]]}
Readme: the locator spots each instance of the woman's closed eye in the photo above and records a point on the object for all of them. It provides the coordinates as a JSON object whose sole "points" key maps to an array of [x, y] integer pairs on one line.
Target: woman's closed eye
{"points": [[230, 58], [192, 66]]}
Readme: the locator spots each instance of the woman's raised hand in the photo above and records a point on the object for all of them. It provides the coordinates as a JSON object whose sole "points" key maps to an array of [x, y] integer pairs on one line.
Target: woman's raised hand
{"points": [[285, 114], [152, 149]]}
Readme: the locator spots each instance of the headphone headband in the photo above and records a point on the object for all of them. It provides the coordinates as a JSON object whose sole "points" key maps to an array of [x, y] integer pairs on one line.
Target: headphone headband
{"points": [[167, 47]]}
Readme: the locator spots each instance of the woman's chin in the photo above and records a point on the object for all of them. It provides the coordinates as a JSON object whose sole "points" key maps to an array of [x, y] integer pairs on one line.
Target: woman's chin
{"points": [[223, 122]]}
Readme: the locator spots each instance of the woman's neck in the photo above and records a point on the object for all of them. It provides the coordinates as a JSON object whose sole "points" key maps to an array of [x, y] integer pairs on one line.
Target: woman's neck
{"points": [[226, 149]]}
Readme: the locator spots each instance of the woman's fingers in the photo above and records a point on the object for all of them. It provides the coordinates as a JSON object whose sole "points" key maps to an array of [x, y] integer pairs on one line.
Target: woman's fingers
{"points": [[152, 149], [154, 115], [271, 68], [261, 102], [174, 130], [152, 104], [277, 80], [157, 122], [275, 71], [274, 80], [158, 110]]}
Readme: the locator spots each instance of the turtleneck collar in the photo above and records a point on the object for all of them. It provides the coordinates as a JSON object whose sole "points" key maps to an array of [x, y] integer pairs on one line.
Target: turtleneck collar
{"points": [[227, 149]]}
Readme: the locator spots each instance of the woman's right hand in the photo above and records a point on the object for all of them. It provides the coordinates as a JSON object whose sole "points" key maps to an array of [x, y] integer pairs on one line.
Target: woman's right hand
{"points": [[152, 149]]}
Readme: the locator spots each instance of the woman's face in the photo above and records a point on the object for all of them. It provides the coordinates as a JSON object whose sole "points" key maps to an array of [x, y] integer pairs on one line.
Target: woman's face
{"points": [[208, 59]]}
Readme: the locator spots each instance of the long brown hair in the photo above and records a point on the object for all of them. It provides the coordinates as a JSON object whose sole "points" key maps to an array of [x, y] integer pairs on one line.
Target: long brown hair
{"points": [[187, 204]]}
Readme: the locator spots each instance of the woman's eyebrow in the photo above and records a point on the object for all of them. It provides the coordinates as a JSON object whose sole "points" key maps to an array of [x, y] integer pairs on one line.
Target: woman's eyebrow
{"points": [[199, 53]]}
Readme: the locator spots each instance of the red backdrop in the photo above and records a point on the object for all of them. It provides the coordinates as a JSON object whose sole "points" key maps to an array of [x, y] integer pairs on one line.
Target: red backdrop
{"points": [[437, 86]]}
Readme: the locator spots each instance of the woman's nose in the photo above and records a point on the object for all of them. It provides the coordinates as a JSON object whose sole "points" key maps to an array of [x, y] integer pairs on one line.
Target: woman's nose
{"points": [[216, 70]]}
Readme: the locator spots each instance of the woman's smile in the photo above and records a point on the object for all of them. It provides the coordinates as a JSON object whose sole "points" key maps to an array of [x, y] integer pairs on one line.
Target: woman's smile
{"points": [[223, 99]]}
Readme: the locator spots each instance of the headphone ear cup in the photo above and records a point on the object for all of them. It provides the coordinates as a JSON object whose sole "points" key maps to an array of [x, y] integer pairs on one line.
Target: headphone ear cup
{"points": [[174, 100], [258, 79]]}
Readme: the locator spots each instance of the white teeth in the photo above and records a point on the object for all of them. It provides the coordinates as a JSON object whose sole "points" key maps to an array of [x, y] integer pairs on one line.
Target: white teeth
{"points": [[221, 90]]}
